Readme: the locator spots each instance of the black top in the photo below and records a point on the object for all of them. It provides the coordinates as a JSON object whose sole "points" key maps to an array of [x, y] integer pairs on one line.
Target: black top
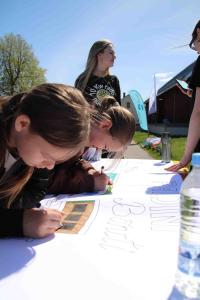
{"points": [[98, 87], [193, 84], [195, 78], [11, 219]]}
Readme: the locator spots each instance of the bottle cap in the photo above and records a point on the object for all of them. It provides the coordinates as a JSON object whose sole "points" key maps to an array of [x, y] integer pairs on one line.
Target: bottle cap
{"points": [[196, 159]]}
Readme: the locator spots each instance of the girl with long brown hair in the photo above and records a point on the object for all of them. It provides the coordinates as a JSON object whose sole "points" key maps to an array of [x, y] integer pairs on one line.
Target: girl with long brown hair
{"points": [[47, 125], [95, 81]]}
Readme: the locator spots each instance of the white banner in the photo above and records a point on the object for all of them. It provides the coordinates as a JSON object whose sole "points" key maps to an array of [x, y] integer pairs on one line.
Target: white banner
{"points": [[152, 99]]}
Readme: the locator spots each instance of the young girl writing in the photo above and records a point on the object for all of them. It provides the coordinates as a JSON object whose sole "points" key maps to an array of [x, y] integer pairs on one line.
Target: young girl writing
{"points": [[49, 124], [112, 128]]}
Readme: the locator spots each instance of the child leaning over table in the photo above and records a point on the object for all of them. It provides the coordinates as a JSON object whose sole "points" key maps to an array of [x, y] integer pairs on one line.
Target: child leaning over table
{"points": [[112, 128], [38, 128]]}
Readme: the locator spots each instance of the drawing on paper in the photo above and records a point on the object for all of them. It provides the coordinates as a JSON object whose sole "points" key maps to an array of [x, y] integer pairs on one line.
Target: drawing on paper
{"points": [[77, 214]]}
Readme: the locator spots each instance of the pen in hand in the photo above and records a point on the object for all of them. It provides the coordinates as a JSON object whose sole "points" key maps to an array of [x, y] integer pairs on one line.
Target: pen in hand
{"points": [[102, 168]]}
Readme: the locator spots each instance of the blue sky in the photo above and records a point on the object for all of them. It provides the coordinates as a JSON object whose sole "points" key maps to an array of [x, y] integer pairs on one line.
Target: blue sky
{"points": [[144, 33]]}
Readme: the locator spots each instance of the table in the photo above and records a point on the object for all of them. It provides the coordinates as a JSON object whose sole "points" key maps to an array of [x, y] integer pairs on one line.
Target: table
{"points": [[124, 247]]}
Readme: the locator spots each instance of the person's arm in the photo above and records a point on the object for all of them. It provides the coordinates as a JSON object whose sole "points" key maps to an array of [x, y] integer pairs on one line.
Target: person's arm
{"points": [[77, 177], [71, 177], [21, 218], [193, 135], [34, 223]]}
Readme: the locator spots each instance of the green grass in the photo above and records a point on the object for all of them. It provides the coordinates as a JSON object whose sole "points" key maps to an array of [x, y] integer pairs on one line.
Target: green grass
{"points": [[177, 145]]}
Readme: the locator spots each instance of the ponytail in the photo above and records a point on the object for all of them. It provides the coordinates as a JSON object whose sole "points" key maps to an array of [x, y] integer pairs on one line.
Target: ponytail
{"points": [[123, 122]]}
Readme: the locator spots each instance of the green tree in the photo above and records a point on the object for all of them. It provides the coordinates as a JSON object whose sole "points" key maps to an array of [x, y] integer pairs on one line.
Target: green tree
{"points": [[19, 68]]}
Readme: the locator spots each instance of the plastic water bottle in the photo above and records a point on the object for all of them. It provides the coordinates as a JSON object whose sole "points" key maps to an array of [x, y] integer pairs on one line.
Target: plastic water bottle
{"points": [[166, 147], [188, 273]]}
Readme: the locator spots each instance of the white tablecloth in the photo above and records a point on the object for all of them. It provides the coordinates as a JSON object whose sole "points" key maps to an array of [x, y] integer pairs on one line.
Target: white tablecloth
{"points": [[127, 249]]}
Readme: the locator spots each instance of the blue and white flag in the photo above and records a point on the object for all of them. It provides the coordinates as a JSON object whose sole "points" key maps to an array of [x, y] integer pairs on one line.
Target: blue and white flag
{"points": [[140, 108]]}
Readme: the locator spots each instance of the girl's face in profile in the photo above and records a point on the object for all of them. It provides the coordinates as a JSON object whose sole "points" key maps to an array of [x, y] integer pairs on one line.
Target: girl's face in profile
{"points": [[107, 57], [196, 43], [101, 138], [34, 150]]}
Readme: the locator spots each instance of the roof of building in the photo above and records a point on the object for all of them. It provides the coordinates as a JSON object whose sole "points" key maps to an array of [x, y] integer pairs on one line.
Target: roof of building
{"points": [[183, 75]]}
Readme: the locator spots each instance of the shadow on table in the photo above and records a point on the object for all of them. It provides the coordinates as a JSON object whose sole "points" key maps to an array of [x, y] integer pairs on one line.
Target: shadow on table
{"points": [[160, 163], [173, 187], [17, 253], [176, 295]]}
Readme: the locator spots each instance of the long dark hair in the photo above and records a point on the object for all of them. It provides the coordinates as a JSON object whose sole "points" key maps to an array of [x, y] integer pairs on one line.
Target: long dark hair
{"points": [[194, 34], [58, 113], [97, 47]]}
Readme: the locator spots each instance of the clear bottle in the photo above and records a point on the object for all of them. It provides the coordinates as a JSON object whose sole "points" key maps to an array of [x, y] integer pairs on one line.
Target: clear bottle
{"points": [[188, 271], [166, 147]]}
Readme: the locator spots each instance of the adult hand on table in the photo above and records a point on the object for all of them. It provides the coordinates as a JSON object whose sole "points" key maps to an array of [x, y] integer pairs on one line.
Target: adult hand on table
{"points": [[176, 167], [39, 223]]}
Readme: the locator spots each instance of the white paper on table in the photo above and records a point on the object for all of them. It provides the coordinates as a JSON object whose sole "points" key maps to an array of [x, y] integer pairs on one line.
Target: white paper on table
{"points": [[127, 249]]}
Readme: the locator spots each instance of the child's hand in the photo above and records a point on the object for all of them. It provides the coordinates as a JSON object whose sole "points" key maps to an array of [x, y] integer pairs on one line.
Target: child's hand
{"points": [[100, 180], [39, 223]]}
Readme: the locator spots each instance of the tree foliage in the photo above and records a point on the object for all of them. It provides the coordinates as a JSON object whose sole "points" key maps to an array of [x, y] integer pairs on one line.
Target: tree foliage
{"points": [[19, 68]]}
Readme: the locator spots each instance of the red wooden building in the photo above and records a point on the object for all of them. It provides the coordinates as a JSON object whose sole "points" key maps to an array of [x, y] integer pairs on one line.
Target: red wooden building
{"points": [[173, 107]]}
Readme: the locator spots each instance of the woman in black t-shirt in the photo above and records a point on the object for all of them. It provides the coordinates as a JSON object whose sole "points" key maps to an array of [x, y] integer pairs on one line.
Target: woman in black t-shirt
{"points": [[193, 84], [96, 81], [194, 126]]}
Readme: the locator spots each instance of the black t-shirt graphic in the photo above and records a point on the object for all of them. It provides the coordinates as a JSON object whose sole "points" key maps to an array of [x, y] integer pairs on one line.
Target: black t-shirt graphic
{"points": [[99, 87]]}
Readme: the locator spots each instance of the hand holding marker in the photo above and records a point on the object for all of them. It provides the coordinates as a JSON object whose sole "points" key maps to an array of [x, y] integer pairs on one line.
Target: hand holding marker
{"points": [[108, 188]]}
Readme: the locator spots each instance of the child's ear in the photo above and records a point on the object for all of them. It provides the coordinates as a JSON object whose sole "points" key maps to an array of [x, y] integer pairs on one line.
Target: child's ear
{"points": [[106, 124], [22, 122]]}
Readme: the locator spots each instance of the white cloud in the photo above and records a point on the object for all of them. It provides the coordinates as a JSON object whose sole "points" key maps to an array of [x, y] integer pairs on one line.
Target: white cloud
{"points": [[166, 79], [163, 77]]}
